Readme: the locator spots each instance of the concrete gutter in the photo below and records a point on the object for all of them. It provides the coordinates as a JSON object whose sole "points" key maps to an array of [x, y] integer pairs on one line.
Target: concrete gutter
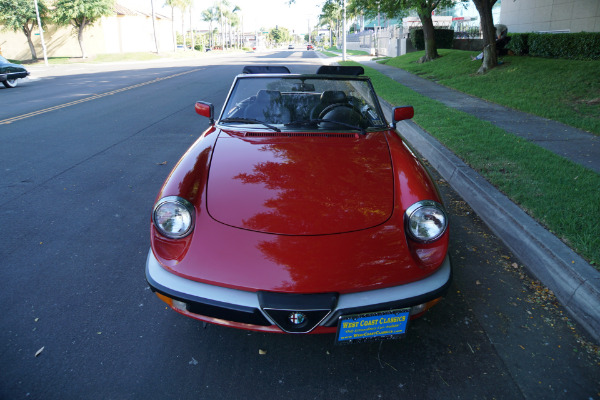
{"points": [[575, 282]]}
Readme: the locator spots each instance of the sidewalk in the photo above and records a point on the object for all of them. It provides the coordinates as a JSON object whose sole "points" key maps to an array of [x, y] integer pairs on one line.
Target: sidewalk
{"points": [[575, 282], [575, 144]]}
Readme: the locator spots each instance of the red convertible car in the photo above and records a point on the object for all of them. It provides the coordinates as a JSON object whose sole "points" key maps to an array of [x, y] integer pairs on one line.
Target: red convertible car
{"points": [[300, 210]]}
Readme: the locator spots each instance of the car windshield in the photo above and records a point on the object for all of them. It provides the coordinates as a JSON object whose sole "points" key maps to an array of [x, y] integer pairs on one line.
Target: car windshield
{"points": [[301, 102], [3, 60]]}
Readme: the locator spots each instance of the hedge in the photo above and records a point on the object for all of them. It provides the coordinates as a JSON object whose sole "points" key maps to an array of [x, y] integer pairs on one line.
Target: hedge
{"points": [[443, 38], [573, 46], [518, 43]]}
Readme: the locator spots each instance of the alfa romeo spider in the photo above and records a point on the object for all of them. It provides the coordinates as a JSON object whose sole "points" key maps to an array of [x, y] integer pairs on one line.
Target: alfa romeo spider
{"points": [[301, 210]]}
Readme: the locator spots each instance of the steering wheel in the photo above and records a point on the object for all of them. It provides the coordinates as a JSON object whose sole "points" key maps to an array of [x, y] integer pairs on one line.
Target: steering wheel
{"points": [[332, 107]]}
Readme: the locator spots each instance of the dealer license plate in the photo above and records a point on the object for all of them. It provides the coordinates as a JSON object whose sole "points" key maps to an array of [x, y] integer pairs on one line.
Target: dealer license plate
{"points": [[372, 326]]}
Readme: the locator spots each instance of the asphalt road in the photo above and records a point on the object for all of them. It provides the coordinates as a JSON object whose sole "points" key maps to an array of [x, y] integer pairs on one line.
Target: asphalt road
{"points": [[83, 152]]}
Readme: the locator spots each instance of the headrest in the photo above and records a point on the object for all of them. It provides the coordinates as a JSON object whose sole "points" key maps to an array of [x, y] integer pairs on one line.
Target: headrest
{"points": [[341, 70], [265, 69], [333, 96], [268, 96]]}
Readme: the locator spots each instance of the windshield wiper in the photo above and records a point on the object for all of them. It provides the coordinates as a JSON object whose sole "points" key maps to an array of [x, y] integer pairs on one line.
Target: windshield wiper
{"points": [[317, 121], [250, 121]]}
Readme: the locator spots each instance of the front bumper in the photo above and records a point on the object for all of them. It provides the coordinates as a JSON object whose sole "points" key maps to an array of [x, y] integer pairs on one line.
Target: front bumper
{"points": [[247, 310]]}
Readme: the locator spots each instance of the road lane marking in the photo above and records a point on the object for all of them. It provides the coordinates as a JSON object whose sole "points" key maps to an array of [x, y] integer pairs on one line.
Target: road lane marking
{"points": [[94, 97]]}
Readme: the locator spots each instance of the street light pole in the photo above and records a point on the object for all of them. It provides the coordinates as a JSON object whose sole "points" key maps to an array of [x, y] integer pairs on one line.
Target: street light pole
{"points": [[344, 34], [37, 13]]}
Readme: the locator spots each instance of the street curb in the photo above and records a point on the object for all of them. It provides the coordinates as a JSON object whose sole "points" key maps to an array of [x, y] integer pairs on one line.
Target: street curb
{"points": [[575, 282]]}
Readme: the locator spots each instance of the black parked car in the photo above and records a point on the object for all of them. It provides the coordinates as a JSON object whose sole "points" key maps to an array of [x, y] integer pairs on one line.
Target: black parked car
{"points": [[9, 73]]}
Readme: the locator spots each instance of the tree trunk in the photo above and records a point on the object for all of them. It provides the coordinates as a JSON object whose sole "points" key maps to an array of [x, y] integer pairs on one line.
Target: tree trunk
{"points": [[27, 32], [192, 32], [80, 37], [173, 29], [429, 36], [154, 26], [490, 57], [183, 29]]}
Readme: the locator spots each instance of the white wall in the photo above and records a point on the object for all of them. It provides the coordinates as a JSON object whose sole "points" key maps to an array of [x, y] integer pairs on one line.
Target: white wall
{"points": [[114, 34], [551, 15]]}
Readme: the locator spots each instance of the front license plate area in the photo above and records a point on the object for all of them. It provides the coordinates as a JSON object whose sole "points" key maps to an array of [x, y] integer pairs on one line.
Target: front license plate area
{"points": [[368, 327]]}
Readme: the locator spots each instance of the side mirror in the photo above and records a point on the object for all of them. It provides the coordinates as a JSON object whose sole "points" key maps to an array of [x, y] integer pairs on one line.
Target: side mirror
{"points": [[206, 110], [402, 113]]}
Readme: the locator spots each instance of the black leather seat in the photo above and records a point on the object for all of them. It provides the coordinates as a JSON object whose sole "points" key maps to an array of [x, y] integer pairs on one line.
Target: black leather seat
{"points": [[268, 107], [328, 98]]}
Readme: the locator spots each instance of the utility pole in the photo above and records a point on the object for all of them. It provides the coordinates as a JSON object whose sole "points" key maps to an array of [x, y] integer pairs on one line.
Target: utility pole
{"points": [[37, 13]]}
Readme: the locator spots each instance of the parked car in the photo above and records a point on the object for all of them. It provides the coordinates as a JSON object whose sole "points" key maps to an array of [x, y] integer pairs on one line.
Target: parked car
{"points": [[310, 47], [290, 47], [300, 210], [9, 73]]}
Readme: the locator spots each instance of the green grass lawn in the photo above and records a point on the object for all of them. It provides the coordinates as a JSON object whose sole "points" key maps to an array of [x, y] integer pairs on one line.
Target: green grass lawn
{"points": [[115, 57], [330, 54], [558, 193], [348, 52], [562, 90]]}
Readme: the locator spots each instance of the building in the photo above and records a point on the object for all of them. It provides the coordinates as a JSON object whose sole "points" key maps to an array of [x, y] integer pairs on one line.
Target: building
{"points": [[551, 15]]}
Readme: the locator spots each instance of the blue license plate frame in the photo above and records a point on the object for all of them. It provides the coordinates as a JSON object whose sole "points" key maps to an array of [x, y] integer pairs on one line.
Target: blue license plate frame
{"points": [[368, 327]]}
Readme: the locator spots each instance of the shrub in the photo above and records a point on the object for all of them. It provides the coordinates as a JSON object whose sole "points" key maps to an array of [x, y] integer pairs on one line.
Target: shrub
{"points": [[573, 46], [443, 38], [518, 43]]}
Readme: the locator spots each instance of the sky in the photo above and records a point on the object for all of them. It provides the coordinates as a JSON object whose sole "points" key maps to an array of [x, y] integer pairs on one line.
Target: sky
{"points": [[256, 13]]}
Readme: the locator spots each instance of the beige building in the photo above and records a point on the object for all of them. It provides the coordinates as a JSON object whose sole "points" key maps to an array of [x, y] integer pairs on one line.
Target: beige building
{"points": [[551, 15], [126, 31]]}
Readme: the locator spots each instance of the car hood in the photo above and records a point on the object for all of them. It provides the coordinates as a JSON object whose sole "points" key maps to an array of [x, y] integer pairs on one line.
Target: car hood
{"points": [[254, 185], [301, 185]]}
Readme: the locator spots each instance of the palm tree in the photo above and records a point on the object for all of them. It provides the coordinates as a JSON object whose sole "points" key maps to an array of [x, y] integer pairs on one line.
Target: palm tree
{"points": [[184, 5], [210, 15], [154, 25], [172, 4], [234, 20], [331, 13], [222, 11]]}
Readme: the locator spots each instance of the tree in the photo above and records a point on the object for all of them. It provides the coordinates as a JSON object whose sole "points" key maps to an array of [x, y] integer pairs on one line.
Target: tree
{"points": [[183, 5], [280, 35], [154, 25], [331, 13], [80, 14], [234, 21], [192, 32], [210, 15], [20, 15], [173, 4], [227, 18], [398, 8], [490, 57]]}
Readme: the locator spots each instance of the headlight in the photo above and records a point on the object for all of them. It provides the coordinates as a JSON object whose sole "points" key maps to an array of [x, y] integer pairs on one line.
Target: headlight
{"points": [[426, 221], [173, 217]]}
